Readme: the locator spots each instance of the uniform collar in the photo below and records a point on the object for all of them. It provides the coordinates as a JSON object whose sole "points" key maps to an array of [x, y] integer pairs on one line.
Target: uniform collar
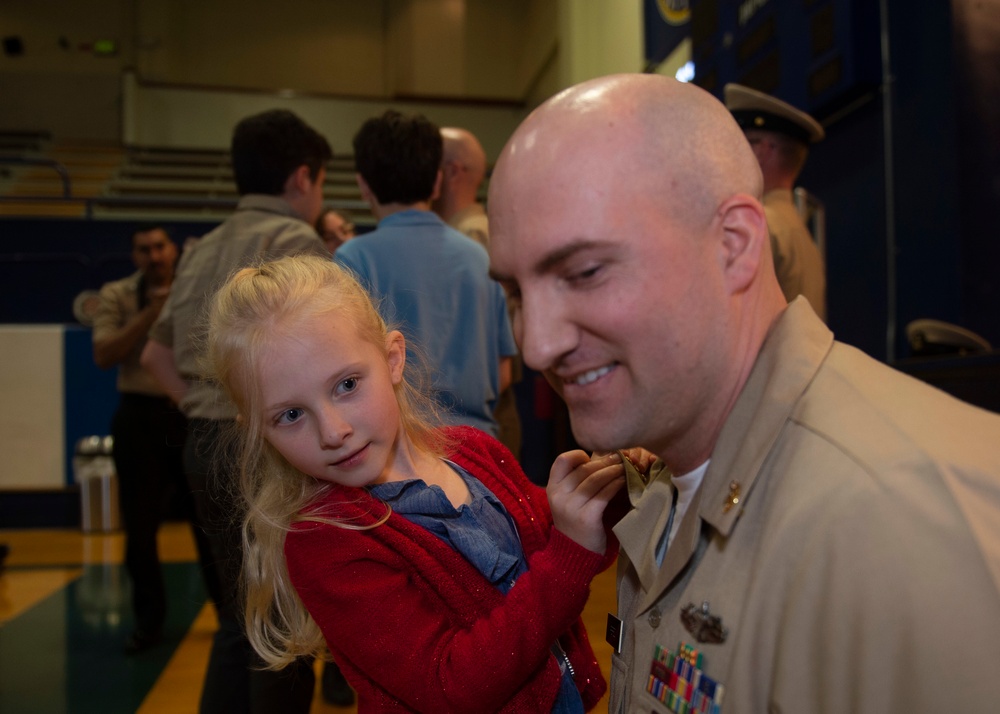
{"points": [[788, 360], [473, 209], [779, 194]]}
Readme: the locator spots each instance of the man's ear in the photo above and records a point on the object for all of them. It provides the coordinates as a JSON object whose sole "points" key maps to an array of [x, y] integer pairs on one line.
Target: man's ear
{"points": [[745, 242], [298, 182], [395, 353], [366, 192], [437, 185]]}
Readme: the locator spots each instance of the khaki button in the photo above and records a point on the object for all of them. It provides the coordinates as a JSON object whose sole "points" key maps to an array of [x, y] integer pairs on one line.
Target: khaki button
{"points": [[654, 618]]}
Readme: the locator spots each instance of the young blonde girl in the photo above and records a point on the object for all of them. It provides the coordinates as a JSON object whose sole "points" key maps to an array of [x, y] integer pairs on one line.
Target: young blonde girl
{"points": [[434, 571]]}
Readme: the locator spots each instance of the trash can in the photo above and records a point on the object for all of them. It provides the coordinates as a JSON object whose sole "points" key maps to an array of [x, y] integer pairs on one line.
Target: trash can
{"points": [[94, 471]]}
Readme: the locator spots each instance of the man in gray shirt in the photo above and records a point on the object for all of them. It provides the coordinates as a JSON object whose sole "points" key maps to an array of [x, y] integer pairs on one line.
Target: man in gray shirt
{"points": [[279, 166]]}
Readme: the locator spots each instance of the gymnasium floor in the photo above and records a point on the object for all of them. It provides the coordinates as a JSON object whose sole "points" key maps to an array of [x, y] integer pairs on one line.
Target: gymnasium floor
{"points": [[64, 616]]}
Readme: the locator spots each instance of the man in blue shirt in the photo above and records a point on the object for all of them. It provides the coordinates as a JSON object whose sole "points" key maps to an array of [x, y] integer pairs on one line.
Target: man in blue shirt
{"points": [[432, 281]]}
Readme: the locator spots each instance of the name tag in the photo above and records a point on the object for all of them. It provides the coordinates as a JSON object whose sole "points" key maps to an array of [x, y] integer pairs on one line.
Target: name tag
{"points": [[613, 635]]}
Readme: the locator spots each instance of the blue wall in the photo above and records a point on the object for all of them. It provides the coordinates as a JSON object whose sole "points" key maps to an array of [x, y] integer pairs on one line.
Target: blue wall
{"points": [[46, 262], [910, 169]]}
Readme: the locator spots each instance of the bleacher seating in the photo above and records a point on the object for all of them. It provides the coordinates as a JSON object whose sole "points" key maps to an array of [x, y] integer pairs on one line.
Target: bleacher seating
{"points": [[138, 183], [21, 141]]}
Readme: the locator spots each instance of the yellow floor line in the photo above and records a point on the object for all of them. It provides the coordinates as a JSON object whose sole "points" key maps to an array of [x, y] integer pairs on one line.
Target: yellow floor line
{"points": [[178, 688], [21, 590]]}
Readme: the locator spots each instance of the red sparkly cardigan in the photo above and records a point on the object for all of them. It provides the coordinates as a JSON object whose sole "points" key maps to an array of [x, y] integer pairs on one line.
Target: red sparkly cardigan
{"points": [[416, 628]]}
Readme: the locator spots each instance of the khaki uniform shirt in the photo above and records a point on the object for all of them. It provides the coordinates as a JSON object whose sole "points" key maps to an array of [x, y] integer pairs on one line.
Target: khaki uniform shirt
{"points": [[119, 304], [262, 228], [473, 222], [797, 261], [847, 535]]}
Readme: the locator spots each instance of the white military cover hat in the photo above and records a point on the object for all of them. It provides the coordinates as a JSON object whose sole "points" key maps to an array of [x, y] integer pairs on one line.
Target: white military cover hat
{"points": [[756, 110]]}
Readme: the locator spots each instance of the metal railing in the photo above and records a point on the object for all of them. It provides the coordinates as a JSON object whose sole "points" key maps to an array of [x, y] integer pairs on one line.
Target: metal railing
{"points": [[50, 163]]}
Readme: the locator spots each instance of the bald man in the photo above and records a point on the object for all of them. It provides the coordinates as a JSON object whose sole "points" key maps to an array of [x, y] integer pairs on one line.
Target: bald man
{"points": [[463, 169], [819, 533]]}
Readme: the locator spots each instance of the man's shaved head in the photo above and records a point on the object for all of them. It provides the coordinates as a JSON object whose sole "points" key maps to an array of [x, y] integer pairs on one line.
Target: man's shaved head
{"points": [[626, 225], [676, 139]]}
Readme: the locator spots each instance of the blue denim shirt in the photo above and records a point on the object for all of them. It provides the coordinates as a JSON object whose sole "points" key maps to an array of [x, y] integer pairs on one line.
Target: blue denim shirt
{"points": [[484, 533]]}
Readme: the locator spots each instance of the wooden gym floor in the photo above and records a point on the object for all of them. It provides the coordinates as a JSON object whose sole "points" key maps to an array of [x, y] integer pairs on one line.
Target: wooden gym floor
{"points": [[64, 616]]}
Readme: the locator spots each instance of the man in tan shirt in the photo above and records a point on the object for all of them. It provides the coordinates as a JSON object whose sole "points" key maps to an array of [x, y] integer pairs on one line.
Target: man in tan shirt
{"points": [[780, 135], [148, 429], [820, 533]]}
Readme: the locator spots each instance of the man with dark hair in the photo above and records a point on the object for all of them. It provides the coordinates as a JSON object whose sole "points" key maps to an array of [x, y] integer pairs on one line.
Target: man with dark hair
{"points": [[267, 147], [398, 159], [433, 280], [147, 428], [279, 165]]}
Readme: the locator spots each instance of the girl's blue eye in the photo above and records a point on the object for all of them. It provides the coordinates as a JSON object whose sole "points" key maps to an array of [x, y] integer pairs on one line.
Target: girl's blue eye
{"points": [[289, 416], [349, 384]]}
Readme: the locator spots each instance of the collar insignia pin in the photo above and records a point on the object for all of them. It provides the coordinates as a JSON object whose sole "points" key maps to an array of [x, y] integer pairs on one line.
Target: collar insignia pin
{"points": [[733, 498]]}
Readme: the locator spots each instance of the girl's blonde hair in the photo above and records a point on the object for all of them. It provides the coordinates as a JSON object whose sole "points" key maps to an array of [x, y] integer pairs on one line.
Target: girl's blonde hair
{"points": [[256, 307]]}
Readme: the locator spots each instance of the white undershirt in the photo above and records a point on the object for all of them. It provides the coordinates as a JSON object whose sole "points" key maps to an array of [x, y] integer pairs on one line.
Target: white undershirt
{"points": [[686, 485]]}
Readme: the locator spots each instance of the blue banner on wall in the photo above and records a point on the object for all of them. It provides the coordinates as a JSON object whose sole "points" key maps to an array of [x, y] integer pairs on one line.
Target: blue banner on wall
{"points": [[667, 23]]}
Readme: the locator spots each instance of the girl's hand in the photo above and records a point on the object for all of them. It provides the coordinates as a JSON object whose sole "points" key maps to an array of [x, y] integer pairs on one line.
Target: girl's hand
{"points": [[579, 490]]}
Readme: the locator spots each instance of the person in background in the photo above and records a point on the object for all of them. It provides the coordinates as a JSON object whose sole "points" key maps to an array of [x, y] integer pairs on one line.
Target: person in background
{"points": [[820, 533], [463, 169], [780, 135], [335, 227], [147, 428], [361, 509], [429, 278], [279, 163]]}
